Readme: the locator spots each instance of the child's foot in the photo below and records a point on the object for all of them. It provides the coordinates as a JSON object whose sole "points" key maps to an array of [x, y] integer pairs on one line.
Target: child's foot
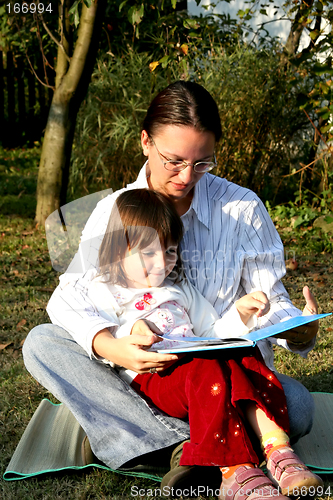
{"points": [[290, 474], [248, 483]]}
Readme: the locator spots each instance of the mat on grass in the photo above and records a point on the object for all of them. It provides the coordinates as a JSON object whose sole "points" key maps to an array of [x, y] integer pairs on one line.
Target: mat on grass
{"points": [[316, 449], [53, 441]]}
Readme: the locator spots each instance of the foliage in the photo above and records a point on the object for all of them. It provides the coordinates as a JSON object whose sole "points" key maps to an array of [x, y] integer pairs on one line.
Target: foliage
{"points": [[107, 151], [296, 224], [163, 29], [302, 215], [308, 62], [24, 35], [260, 90], [316, 60], [263, 129], [313, 60], [307, 205]]}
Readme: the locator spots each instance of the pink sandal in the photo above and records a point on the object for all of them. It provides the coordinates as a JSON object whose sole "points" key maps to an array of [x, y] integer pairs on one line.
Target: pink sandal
{"points": [[290, 474], [248, 483]]}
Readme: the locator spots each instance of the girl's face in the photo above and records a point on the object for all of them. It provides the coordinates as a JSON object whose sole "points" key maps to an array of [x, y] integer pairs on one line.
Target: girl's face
{"points": [[149, 266], [177, 143]]}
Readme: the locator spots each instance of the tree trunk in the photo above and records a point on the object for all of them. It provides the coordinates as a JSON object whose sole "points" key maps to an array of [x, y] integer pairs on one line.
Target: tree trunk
{"points": [[56, 148], [71, 86], [296, 30]]}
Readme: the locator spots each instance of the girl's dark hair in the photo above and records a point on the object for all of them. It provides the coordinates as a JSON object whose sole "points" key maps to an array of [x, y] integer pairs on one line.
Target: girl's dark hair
{"points": [[183, 103], [137, 217]]}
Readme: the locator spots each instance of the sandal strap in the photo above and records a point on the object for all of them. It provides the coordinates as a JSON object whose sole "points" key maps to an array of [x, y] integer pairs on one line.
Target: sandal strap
{"points": [[280, 461]]}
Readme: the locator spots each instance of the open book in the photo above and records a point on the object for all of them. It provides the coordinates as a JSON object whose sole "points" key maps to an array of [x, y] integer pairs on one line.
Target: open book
{"points": [[190, 344]]}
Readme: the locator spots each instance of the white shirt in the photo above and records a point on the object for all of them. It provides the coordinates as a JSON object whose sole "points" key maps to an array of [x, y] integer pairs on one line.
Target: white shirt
{"points": [[230, 248]]}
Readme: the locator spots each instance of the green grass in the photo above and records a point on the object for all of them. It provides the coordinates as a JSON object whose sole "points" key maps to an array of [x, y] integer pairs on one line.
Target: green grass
{"points": [[18, 181], [26, 283]]}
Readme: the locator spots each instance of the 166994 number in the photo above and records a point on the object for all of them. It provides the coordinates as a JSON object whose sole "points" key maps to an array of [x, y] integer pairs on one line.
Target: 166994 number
{"points": [[312, 491], [29, 8]]}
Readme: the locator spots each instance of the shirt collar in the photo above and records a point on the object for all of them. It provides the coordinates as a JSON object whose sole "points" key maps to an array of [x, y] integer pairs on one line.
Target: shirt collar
{"points": [[141, 180], [201, 202]]}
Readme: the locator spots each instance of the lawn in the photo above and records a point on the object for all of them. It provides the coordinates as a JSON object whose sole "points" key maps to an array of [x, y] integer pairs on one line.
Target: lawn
{"points": [[27, 281]]}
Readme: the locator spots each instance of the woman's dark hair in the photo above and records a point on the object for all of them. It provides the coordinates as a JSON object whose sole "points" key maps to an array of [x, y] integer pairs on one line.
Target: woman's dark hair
{"points": [[137, 217], [183, 103]]}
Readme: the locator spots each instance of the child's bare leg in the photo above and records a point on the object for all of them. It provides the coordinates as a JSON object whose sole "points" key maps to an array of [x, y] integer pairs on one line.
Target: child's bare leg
{"points": [[259, 421], [270, 435]]}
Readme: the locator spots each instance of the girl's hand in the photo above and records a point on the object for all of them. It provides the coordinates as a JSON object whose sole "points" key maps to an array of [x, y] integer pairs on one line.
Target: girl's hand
{"points": [[146, 327], [130, 351], [253, 303]]}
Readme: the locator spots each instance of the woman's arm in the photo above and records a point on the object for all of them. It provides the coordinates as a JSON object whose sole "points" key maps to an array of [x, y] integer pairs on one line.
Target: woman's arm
{"points": [[263, 269]]}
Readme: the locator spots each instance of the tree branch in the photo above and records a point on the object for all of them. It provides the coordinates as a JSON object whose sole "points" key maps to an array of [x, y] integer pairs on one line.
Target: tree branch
{"points": [[37, 77], [59, 44], [316, 129], [42, 52], [31, 66], [61, 21], [85, 32], [296, 30]]}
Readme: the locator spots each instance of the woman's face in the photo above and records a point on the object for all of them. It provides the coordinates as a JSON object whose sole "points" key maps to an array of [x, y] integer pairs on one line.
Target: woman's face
{"points": [[177, 143]]}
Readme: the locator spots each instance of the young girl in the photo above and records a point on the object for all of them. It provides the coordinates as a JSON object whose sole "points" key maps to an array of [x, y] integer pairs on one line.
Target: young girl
{"points": [[224, 396]]}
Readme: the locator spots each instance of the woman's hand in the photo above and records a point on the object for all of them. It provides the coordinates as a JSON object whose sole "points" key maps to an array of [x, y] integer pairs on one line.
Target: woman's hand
{"points": [[253, 303], [131, 351], [299, 337]]}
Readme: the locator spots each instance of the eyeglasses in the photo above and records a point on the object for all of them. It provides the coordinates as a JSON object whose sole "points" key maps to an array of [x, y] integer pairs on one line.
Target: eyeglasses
{"points": [[200, 167]]}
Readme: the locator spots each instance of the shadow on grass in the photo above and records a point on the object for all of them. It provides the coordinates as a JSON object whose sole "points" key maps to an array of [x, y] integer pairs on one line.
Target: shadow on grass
{"points": [[18, 182], [319, 382], [18, 195], [23, 206]]}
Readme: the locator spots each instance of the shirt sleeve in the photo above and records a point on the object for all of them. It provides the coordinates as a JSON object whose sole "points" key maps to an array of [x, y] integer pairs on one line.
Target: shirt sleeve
{"points": [[69, 306], [205, 320], [264, 267]]}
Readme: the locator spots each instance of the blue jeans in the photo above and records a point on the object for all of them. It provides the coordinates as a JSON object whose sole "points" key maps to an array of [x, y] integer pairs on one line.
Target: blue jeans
{"points": [[300, 405], [119, 424]]}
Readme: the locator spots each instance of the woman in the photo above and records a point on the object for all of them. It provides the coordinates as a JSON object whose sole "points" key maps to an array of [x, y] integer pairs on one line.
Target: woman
{"points": [[230, 248]]}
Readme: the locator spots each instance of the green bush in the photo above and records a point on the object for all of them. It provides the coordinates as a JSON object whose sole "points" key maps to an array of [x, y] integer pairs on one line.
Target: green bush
{"points": [[107, 150], [265, 135]]}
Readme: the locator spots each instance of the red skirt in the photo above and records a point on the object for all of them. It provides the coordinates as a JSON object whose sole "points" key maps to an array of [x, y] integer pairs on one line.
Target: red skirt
{"points": [[210, 390]]}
